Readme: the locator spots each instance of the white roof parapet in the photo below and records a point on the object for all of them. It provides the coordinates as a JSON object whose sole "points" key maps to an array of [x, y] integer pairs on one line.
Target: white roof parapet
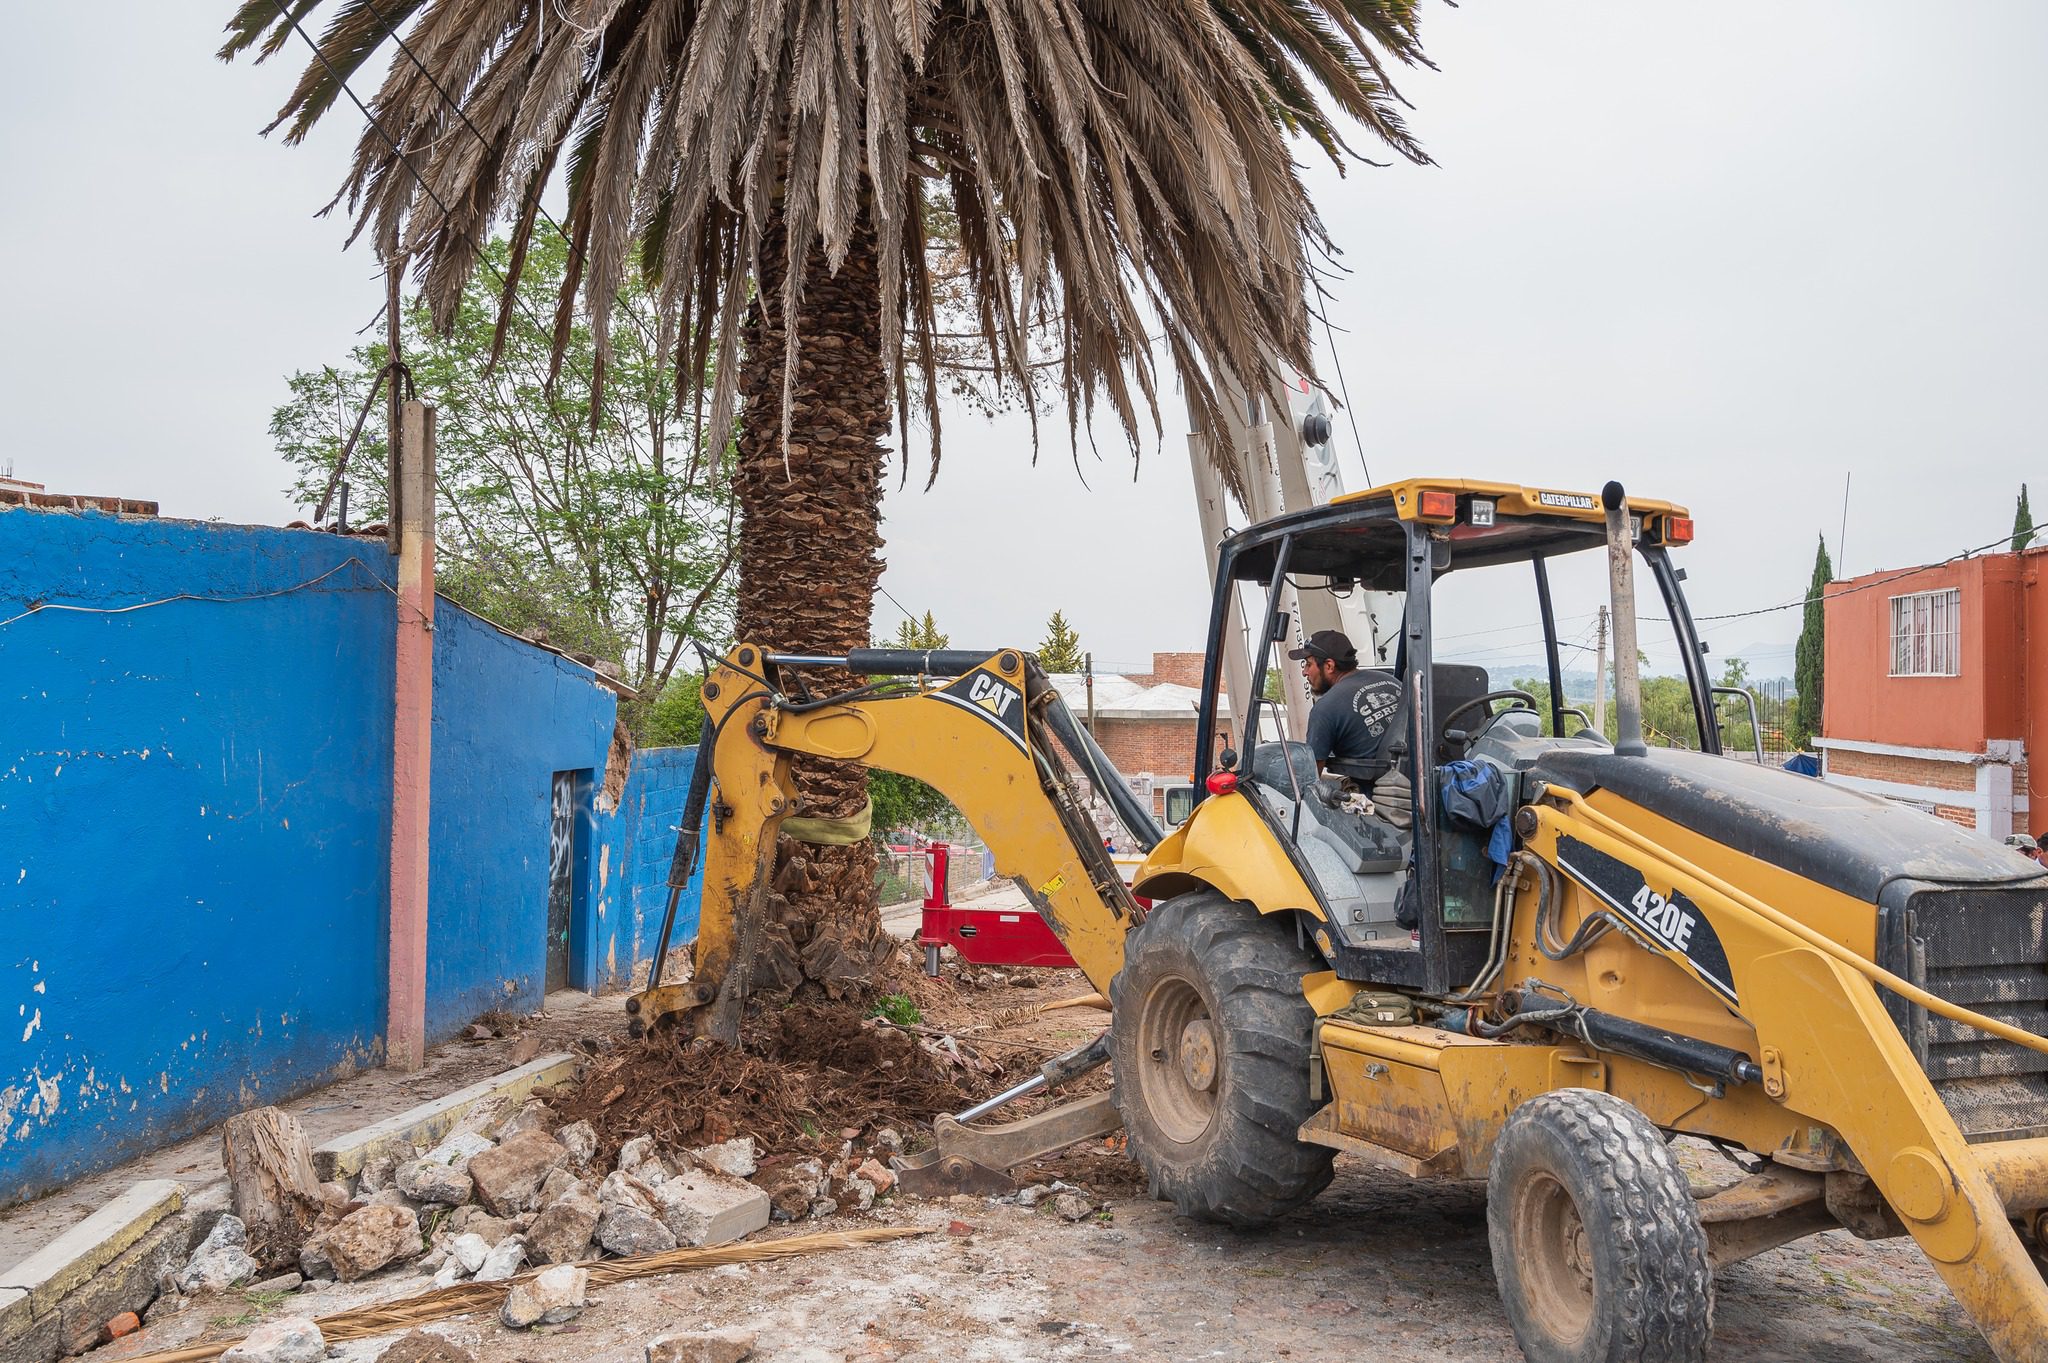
{"points": [[1118, 697]]}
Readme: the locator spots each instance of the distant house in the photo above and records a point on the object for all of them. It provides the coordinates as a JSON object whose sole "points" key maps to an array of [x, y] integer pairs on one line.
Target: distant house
{"points": [[1145, 722], [1937, 689]]}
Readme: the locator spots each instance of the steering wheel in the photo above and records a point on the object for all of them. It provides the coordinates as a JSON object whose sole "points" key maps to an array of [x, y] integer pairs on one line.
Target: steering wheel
{"points": [[1524, 700]]}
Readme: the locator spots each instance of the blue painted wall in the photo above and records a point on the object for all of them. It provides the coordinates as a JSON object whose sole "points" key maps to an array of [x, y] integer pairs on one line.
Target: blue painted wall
{"points": [[507, 717], [651, 810], [194, 827]]}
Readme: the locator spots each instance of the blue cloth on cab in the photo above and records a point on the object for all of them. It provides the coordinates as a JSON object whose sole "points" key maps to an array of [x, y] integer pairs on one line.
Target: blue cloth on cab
{"points": [[1476, 793]]}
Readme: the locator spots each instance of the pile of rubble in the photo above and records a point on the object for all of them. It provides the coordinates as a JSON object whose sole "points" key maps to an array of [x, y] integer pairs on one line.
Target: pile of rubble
{"points": [[504, 1192]]}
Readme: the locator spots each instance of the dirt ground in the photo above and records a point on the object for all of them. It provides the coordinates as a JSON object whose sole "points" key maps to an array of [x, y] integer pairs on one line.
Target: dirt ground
{"points": [[1379, 1267], [1377, 1263]]}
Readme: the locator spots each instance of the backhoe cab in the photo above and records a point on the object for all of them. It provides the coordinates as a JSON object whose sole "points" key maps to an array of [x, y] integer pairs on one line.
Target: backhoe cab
{"points": [[1578, 947]]}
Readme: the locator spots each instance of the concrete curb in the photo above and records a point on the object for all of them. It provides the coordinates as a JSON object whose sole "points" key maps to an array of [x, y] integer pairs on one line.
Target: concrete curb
{"points": [[36, 1284], [429, 1122]]}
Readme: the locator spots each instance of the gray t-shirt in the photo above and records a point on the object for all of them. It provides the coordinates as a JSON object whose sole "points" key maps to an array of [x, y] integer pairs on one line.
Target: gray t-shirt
{"points": [[1353, 719]]}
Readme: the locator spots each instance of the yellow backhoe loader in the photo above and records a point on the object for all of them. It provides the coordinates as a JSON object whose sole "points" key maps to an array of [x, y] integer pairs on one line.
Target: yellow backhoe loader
{"points": [[1629, 943]]}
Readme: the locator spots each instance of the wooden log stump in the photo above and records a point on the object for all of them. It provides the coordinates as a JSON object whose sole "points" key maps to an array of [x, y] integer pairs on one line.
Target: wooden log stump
{"points": [[271, 1183]]}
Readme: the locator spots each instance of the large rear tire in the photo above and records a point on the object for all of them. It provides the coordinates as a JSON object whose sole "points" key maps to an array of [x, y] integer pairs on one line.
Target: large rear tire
{"points": [[1597, 1244], [1211, 1044]]}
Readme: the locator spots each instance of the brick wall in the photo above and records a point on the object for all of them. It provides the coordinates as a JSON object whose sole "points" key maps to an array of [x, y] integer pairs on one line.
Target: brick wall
{"points": [[1957, 814], [1164, 747], [1183, 669], [1907, 771]]}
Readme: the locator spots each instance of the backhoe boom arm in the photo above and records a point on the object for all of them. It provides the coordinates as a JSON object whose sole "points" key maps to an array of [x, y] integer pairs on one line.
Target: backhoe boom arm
{"points": [[983, 737]]}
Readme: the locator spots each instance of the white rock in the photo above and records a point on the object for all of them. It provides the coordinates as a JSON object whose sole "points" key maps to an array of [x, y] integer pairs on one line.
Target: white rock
{"points": [[630, 1232], [736, 1156], [221, 1261], [467, 1253], [701, 1346], [289, 1339], [639, 1158], [533, 1115], [549, 1297], [810, 1175], [504, 1260], [704, 1208], [621, 1189], [458, 1148], [581, 1140], [428, 1180], [375, 1176]]}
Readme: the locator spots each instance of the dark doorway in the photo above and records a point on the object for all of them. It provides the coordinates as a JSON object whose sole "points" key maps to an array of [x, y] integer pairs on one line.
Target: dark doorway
{"points": [[562, 823]]}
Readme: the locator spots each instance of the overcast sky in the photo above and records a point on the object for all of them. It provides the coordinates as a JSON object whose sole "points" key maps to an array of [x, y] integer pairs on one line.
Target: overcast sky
{"points": [[1729, 256]]}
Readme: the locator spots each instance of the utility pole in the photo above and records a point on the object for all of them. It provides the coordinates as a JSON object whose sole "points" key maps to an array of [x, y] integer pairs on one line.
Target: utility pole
{"points": [[1600, 676], [1088, 677]]}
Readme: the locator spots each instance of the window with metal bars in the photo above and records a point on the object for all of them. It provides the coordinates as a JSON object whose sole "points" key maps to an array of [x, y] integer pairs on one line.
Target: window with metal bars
{"points": [[1927, 634]]}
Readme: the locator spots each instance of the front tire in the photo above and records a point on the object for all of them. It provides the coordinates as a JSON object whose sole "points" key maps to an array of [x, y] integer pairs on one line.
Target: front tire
{"points": [[1597, 1244], [1211, 1044]]}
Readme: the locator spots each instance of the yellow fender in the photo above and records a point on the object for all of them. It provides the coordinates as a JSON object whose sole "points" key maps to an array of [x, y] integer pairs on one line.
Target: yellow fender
{"points": [[1226, 846]]}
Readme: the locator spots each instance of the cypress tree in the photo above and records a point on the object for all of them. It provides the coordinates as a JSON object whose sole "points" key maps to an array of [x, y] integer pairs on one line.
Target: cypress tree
{"points": [[2022, 523], [1061, 651], [1811, 656]]}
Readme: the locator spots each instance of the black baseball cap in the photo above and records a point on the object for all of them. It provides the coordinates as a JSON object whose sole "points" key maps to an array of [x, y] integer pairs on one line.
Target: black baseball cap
{"points": [[1331, 645]]}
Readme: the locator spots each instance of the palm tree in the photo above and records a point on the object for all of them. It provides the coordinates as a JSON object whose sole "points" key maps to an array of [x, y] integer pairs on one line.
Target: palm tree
{"points": [[1111, 172]]}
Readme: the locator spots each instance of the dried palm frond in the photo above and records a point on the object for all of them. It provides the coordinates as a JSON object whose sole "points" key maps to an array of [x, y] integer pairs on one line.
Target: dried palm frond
{"points": [[1115, 171], [444, 1303], [1010, 1017]]}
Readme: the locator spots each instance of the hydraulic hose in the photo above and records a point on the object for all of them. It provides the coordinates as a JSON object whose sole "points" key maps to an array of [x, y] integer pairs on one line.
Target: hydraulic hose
{"points": [[689, 836], [1833, 950], [1130, 812]]}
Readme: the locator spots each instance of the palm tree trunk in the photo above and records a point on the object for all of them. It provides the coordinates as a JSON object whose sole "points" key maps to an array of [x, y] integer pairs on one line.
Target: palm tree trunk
{"points": [[810, 530]]}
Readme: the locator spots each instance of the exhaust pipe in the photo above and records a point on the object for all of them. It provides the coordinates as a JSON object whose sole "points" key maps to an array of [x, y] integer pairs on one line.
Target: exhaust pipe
{"points": [[1621, 582]]}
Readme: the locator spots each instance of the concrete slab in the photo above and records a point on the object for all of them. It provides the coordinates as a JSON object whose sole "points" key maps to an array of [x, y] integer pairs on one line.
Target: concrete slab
{"points": [[429, 1122], [37, 1283]]}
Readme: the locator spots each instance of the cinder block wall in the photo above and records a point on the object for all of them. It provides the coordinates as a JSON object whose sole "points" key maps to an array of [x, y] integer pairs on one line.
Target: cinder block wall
{"points": [[194, 827]]}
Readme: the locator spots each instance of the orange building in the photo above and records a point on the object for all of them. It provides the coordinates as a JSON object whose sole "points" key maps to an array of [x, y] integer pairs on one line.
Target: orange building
{"points": [[1937, 689]]}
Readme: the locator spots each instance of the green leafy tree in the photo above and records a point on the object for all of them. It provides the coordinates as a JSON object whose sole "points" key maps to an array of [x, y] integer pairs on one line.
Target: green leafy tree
{"points": [[1810, 657], [1061, 651], [612, 536], [2022, 523], [1668, 717], [1738, 734], [919, 634], [676, 718], [901, 801]]}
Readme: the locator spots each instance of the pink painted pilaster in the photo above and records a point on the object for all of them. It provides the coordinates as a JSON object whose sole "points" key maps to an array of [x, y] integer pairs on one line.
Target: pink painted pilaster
{"points": [[412, 739]]}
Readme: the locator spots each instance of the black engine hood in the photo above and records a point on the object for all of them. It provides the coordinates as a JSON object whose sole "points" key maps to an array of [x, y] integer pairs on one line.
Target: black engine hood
{"points": [[1843, 839]]}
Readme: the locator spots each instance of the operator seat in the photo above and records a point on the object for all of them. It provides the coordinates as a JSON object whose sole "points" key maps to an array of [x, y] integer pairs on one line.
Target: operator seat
{"points": [[1455, 684]]}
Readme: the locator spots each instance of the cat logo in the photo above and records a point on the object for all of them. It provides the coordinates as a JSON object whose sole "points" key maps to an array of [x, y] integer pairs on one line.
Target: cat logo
{"points": [[1568, 501], [989, 696]]}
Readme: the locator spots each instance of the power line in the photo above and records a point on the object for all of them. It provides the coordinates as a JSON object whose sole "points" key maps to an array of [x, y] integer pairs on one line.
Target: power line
{"points": [[897, 604], [38, 607], [1350, 412], [1850, 591]]}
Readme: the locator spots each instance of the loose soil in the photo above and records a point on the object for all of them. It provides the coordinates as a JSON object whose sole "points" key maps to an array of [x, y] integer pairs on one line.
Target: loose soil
{"points": [[808, 1076], [800, 1075]]}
